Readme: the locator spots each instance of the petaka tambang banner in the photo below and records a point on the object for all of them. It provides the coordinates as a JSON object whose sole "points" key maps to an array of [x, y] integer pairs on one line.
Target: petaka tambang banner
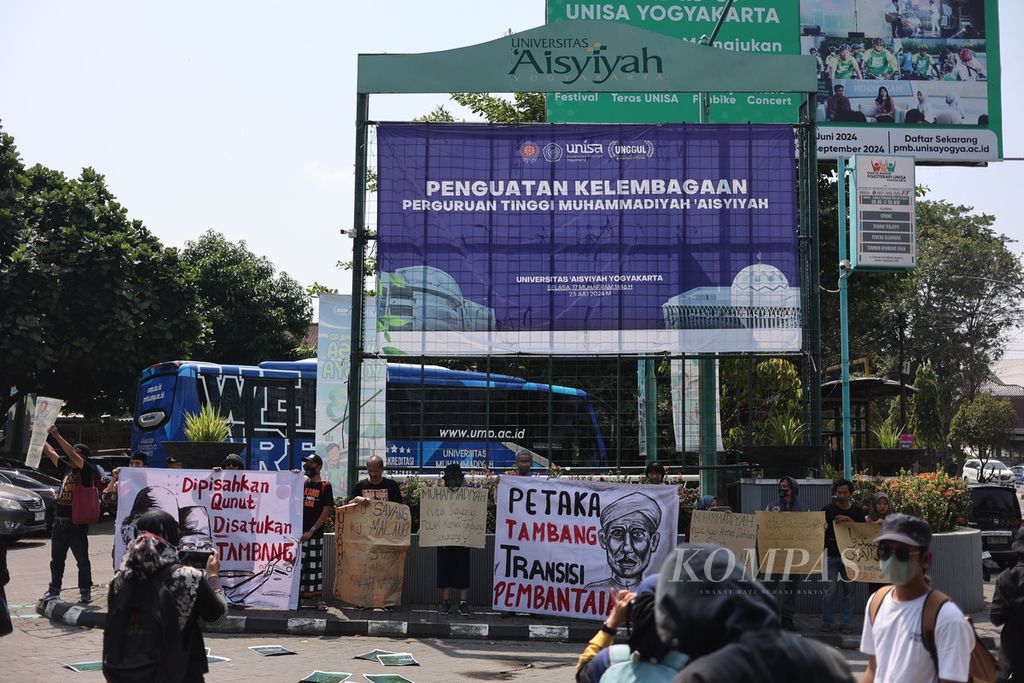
{"points": [[252, 518], [587, 239], [370, 548], [562, 547], [857, 547]]}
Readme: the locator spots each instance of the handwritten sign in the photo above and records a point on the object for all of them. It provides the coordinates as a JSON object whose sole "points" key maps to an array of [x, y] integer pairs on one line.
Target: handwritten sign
{"points": [[562, 546], [731, 530], [790, 542], [252, 518], [371, 545], [453, 516], [857, 547]]}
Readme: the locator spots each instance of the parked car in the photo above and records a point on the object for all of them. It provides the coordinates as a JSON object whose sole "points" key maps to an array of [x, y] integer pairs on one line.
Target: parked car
{"points": [[22, 512], [1018, 474], [995, 472], [46, 487], [996, 513]]}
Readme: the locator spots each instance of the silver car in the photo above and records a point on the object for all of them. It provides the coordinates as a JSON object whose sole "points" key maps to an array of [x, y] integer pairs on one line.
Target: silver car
{"points": [[22, 512]]}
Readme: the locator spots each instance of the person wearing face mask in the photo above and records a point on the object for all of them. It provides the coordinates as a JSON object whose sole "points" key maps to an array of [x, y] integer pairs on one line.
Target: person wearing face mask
{"points": [[453, 560], [842, 510], [894, 625], [780, 585], [317, 502]]}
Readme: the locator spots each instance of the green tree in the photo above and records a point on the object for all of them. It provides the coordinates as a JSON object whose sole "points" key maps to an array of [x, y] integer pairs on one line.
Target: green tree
{"points": [[926, 422], [524, 107], [983, 423], [776, 395], [253, 313], [90, 296]]}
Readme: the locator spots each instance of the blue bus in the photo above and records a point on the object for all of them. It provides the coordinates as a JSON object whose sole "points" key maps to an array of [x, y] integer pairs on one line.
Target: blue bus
{"points": [[435, 415]]}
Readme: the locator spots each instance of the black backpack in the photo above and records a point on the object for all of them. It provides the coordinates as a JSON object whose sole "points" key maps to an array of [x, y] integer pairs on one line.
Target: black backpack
{"points": [[141, 641]]}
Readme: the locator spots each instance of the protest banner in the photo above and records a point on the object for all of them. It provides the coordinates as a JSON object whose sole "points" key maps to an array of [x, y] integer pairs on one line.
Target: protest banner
{"points": [[790, 542], [562, 547], [732, 530], [43, 417], [453, 516], [252, 518], [370, 548], [856, 541]]}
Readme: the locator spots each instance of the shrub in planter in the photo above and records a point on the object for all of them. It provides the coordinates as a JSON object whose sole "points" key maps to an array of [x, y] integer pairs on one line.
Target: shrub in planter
{"points": [[939, 499], [207, 425]]}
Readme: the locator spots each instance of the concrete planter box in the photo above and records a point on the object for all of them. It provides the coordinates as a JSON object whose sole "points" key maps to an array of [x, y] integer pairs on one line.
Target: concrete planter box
{"points": [[780, 461]]}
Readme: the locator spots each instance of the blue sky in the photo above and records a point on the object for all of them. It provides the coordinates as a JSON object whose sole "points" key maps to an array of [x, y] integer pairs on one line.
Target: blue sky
{"points": [[238, 116]]}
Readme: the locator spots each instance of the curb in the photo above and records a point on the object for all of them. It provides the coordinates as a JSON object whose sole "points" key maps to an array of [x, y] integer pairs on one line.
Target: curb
{"points": [[74, 615]]}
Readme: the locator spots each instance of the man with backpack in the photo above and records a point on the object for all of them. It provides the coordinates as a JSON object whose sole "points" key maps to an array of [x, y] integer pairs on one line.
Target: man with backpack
{"points": [[152, 632], [1008, 612], [913, 634], [78, 506], [317, 503]]}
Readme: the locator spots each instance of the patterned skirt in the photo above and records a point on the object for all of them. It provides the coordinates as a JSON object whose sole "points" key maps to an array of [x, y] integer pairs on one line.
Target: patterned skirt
{"points": [[311, 580]]}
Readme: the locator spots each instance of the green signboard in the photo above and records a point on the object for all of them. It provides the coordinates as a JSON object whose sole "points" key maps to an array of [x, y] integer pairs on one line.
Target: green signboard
{"points": [[757, 27]]}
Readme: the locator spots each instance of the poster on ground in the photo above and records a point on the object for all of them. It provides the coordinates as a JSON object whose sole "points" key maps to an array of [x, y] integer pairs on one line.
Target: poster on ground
{"points": [[333, 355], [790, 542], [253, 518], [587, 239], [453, 517], [857, 547], [370, 547], [44, 416], [734, 531], [562, 547]]}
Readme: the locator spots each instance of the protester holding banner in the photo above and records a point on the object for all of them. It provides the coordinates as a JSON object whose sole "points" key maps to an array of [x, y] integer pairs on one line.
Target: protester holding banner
{"points": [[842, 510], [109, 494], [317, 503], [197, 595], [453, 560], [79, 479], [376, 486], [654, 473], [783, 586], [879, 507]]}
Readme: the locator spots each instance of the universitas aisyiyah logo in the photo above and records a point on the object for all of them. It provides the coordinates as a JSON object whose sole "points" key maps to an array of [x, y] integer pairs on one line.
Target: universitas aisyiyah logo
{"points": [[552, 152], [529, 151], [883, 165]]}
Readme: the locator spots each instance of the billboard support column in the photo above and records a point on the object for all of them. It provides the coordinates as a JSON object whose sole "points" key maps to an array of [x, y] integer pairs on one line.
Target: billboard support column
{"points": [[844, 325], [810, 305], [358, 254]]}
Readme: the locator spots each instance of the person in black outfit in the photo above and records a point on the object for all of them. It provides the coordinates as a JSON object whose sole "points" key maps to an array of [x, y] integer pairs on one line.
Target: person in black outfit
{"points": [[376, 486], [317, 503], [6, 626], [1008, 612], [197, 594], [65, 535], [842, 510], [453, 560]]}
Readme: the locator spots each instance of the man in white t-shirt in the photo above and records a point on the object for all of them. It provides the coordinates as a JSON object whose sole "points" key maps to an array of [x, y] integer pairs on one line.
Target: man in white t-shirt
{"points": [[894, 639]]}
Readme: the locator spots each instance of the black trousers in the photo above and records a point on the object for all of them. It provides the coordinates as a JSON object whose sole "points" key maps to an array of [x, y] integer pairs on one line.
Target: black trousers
{"points": [[74, 537]]}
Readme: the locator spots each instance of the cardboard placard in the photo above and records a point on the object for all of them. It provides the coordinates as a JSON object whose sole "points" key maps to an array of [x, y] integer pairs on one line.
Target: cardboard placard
{"points": [[453, 516], [790, 542], [732, 530], [857, 547], [371, 545]]}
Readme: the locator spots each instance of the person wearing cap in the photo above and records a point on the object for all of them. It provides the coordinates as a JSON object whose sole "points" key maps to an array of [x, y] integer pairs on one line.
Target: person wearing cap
{"points": [[893, 622], [1008, 612], [376, 486], [817, 59], [317, 503], [232, 462], [629, 535], [924, 65], [968, 68], [845, 65], [109, 494], [453, 560], [879, 62], [655, 473], [174, 464], [66, 535]]}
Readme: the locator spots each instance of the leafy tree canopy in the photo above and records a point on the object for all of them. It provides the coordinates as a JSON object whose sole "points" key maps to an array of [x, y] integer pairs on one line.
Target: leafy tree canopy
{"points": [[983, 423], [254, 314]]}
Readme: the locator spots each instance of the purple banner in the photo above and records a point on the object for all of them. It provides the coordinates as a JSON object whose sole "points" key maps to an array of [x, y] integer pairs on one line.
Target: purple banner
{"points": [[587, 239]]}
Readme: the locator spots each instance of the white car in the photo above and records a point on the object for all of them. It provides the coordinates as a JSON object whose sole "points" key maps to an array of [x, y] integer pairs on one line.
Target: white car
{"points": [[995, 472]]}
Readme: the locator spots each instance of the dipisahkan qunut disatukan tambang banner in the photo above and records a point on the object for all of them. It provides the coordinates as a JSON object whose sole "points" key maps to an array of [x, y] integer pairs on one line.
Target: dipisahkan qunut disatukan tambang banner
{"points": [[587, 239]]}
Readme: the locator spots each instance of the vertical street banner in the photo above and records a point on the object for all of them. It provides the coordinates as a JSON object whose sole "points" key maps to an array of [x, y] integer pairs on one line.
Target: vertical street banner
{"points": [[562, 547], [333, 356], [883, 225], [456, 517], [370, 548], [252, 518], [587, 239], [44, 416]]}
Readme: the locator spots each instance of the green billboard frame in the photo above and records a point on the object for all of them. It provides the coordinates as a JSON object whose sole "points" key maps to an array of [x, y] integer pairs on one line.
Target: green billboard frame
{"points": [[587, 57]]}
